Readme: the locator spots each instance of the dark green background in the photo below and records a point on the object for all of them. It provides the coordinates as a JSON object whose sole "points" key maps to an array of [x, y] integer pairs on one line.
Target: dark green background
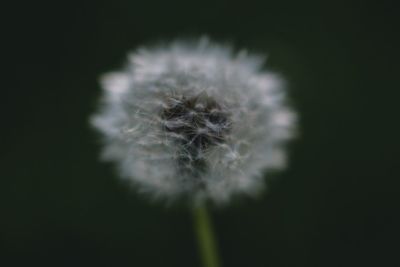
{"points": [[336, 205]]}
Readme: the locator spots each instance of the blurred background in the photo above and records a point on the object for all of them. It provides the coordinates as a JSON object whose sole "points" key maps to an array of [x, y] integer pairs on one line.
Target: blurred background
{"points": [[336, 205]]}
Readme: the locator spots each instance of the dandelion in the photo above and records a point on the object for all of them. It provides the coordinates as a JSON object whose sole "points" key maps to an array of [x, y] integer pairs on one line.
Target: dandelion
{"points": [[194, 120]]}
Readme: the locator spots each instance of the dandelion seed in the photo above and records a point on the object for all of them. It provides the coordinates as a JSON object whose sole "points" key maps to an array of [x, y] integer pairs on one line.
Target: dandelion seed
{"points": [[194, 119]]}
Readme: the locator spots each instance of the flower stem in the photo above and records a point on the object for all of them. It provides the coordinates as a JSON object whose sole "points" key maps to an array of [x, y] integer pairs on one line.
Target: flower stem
{"points": [[205, 237]]}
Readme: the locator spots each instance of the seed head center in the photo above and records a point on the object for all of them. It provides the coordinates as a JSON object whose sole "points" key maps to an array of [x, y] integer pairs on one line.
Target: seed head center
{"points": [[197, 122]]}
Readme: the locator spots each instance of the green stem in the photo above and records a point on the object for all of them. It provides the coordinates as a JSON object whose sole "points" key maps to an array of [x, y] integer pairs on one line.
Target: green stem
{"points": [[205, 237]]}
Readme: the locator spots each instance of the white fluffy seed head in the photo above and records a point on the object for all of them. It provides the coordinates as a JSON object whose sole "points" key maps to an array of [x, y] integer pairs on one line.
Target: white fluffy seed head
{"points": [[194, 119]]}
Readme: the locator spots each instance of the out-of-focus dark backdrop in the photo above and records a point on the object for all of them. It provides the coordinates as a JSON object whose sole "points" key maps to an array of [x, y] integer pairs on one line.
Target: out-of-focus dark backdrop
{"points": [[337, 203]]}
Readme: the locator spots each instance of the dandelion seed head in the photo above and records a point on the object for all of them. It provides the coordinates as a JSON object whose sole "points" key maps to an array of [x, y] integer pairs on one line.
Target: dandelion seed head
{"points": [[194, 119]]}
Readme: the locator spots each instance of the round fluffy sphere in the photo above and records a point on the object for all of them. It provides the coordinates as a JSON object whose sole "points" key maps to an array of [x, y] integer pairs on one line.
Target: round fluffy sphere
{"points": [[194, 119]]}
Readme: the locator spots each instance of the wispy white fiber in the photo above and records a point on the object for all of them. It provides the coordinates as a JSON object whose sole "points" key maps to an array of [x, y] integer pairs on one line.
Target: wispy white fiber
{"points": [[194, 119]]}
